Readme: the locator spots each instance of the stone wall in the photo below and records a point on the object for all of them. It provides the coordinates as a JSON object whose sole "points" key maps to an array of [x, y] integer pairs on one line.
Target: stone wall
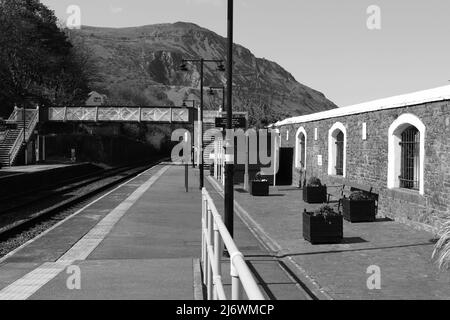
{"points": [[367, 160]]}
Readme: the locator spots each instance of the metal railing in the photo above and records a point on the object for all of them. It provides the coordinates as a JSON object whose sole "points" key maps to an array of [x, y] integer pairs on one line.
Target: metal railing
{"points": [[214, 237], [31, 120], [119, 114], [410, 159], [219, 161]]}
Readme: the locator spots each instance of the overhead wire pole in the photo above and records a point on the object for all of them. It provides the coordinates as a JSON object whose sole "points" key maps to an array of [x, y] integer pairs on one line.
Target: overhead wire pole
{"points": [[229, 166]]}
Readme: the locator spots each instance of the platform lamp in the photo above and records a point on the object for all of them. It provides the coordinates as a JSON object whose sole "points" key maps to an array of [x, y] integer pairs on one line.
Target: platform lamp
{"points": [[220, 68]]}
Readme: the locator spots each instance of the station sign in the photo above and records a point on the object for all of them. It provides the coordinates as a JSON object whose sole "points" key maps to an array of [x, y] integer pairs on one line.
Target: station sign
{"points": [[238, 123]]}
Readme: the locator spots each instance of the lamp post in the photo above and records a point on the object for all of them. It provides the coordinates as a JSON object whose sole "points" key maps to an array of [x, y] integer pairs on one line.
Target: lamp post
{"points": [[193, 126], [221, 68], [229, 167]]}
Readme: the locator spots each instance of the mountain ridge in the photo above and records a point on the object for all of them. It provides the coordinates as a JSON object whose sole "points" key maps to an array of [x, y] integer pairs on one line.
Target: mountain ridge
{"points": [[141, 64]]}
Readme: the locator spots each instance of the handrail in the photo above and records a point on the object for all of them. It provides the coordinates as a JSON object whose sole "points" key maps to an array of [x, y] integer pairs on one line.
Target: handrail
{"points": [[120, 114], [215, 235], [29, 130], [13, 116], [15, 147]]}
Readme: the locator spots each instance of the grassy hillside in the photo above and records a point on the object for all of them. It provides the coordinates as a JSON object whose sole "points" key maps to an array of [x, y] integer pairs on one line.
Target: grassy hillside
{"points": [[141, 66]]}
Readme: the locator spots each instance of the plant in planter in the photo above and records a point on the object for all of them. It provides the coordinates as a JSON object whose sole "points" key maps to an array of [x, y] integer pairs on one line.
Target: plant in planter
{"points": [[322, 226], [442, 250], [359, 207], [314, 191], [302, 178], [259, 187]]}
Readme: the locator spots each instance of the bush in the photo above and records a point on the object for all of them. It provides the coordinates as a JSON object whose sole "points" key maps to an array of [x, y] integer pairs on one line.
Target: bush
{"points": [[314, 182], [361, 195], [442, 250], [260, 178], [325, 211]]}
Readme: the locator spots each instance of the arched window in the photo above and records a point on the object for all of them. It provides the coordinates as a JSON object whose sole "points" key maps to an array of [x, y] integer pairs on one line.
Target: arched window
{"points": [[337, 149], [406, 154], [410, 159], [300, 148], [340, 153]]}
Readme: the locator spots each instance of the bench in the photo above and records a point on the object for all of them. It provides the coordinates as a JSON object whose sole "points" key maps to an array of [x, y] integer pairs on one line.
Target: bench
{"points": [[347, 188]]}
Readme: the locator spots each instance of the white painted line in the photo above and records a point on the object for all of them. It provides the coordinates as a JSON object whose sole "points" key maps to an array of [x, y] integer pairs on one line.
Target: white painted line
{"points": [[29, 284], [83, 248], [26, 286], [68, 218]]}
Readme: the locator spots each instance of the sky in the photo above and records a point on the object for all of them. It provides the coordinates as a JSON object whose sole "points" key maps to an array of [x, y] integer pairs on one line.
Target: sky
{"points": [[325, 44]]}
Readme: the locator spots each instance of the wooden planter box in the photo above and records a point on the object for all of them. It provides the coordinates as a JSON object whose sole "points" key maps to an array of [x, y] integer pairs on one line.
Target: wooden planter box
{"points": [[319, 230], [259, 188], [315, 194], [359, 210]]}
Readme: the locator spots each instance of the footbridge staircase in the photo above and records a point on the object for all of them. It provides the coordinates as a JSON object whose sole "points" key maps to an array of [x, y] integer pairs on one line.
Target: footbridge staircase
{"points": [[22, 123]]}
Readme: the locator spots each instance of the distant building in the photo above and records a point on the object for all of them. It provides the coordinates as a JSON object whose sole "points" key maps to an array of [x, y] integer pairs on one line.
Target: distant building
{"points": [[95, 99]]}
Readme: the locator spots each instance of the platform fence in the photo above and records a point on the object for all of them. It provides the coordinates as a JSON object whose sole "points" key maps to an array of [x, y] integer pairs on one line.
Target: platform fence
{"points": [[215, 237]]}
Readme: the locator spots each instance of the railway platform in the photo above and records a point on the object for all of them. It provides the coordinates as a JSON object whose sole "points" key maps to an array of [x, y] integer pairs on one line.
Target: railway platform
{"points": [[384, 260], [34, 168], [139, 241], [8, 171]]}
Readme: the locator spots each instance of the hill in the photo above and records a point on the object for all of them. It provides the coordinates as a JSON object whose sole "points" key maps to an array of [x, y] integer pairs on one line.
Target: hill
{"points": [[140, 65]]}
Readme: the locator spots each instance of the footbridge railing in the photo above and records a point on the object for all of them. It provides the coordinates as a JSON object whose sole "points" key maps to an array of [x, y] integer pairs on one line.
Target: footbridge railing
{"points": [[214, 237], [119, 114], [31, 120]]}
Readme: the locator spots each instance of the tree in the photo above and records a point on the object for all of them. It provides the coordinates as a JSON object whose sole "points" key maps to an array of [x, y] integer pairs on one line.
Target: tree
{"points": [[38, 62]]}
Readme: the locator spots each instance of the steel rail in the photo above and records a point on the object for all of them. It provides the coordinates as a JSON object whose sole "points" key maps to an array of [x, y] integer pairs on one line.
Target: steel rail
{"points": [[40, 216], [62, 187]]}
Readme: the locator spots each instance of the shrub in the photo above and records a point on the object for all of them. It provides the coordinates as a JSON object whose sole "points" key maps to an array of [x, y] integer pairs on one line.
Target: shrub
{"points": [[325, 211], [361, 195], [260, 178], [442, 250], [314, 182]]}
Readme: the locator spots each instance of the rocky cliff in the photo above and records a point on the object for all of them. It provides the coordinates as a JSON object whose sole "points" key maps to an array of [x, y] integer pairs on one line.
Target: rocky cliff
{"points": [[141, 66]]}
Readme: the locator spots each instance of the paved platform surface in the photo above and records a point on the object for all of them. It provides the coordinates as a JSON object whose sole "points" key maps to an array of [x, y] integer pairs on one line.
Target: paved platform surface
{"points": [[340, 271], [32, 168], [274, 278], [140, 241]]}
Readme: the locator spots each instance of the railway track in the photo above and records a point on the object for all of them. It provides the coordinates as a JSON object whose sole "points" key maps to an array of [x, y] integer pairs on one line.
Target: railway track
{"points": [[22, 220], [19, 201]]}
